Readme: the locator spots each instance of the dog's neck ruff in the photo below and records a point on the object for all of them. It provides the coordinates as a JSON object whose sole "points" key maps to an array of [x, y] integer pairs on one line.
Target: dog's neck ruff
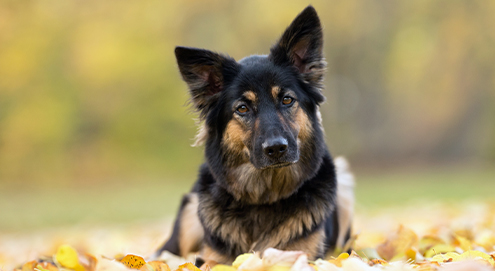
{"points": [[263, 186]]}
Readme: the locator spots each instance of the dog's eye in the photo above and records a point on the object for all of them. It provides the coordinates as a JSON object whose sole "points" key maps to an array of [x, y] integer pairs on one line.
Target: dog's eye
{"points": [[242, 109], [287, 100]]}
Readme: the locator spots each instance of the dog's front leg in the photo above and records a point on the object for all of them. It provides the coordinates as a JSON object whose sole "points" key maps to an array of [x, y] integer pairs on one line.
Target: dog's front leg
{"points": [[188, 233]]}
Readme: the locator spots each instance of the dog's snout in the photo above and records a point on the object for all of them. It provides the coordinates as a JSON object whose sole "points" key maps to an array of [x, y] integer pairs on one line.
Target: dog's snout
{"points": [[275, 147]]}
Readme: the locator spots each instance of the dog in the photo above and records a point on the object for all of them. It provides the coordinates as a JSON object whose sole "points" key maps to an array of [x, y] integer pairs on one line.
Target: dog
{"points": [[268, 179]]}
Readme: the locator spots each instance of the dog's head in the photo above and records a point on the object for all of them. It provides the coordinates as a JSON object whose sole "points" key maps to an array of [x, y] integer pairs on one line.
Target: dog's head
{"points": [[262, 109]]}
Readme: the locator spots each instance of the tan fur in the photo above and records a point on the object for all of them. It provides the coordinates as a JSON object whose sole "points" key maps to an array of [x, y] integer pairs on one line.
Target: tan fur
{"points": [[275, 92], [213, 257], [304, 125], [291, 229], [225, 228], [312, 245], [230, 229], [345, 198], [234, 136], [250, 95], [263, 186], [191, 231]]}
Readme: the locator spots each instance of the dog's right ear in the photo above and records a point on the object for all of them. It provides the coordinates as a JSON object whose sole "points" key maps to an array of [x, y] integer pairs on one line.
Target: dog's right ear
{"points": [[206, 73]]}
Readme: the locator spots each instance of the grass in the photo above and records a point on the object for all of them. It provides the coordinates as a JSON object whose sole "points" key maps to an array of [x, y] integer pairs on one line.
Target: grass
{"points": [[447, 184], [28, 209]]}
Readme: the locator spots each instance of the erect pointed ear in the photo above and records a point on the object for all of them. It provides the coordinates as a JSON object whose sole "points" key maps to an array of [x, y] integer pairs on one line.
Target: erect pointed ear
{"points": [[301, 46], [205, 72]]}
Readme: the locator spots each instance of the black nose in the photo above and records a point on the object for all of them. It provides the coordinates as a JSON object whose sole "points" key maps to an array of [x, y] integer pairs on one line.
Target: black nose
{"points": [[275, 147]]}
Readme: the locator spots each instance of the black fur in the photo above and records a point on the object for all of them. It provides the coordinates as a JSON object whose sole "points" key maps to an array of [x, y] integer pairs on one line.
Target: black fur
{"points": [[250, 199]]}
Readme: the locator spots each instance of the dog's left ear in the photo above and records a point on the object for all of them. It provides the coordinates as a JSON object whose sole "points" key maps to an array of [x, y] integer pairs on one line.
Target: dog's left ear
{"points": [[301, 46]]}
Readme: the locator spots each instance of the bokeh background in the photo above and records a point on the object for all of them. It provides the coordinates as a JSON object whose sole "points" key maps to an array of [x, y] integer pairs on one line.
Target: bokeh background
{"points": [[95, 127]]}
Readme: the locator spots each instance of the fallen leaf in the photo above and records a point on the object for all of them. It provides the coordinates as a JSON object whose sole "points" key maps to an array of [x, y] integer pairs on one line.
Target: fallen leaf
{"points": [[355, 264], [397, 244], [476, 255], [486, 239], [222, 267], [106, 264], [427, 242], [89, 262], [338, 261], [188, 267], [439, 249], [273, 256], [445, 257], [378, 262], [462, 242], [67, 257], [240, 259], [465, 266], [133, 261], [155, 266], [302, 264], [252, 263], [278, 268], [322, 265]]}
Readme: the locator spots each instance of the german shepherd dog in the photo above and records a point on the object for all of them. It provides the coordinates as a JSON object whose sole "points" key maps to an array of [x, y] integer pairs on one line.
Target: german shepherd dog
{"points": [[268, 180]]}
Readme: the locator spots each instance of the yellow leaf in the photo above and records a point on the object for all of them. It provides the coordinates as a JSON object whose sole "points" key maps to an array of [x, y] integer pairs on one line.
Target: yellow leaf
{"points": [[463, 243], [67, 257], [446, 257], [486, 239], [397, 244], [240, 259], [222, 267], [411, 254], [428, 242], [252, 263], [278, 268], [338, 261], [188, 267], [343, 256], [133, 261], [439, 249], [476, 255], [155, 266]]}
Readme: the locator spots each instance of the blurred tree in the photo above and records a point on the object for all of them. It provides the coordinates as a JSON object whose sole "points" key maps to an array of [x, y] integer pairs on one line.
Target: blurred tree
{"points": [[89, 91]]}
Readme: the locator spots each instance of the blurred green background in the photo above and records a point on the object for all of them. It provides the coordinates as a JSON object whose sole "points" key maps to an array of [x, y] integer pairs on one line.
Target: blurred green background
{"points": [[95, 127]]}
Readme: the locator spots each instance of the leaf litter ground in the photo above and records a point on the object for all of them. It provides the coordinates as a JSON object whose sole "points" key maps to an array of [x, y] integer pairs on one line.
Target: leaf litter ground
{"points": [[423, 236]]}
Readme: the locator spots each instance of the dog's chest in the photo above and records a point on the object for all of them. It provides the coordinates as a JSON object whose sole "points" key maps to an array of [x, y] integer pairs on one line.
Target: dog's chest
{"points": [[257, 227]]}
